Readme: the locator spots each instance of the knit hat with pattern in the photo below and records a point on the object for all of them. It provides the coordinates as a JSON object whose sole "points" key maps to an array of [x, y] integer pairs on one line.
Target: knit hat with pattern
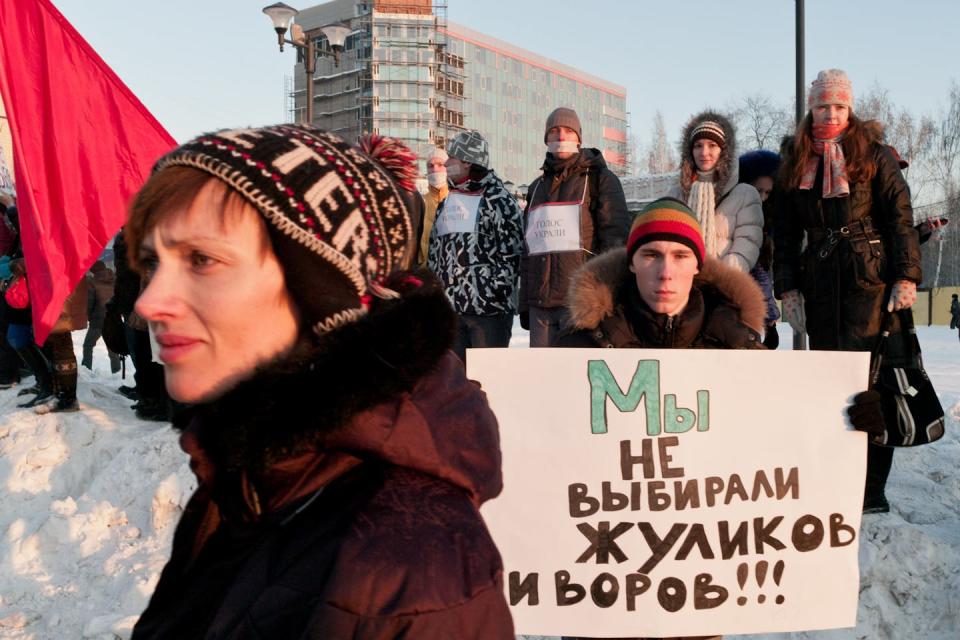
{"points": [[666, 219], [469, 146], [336, 217], [832, 86], [711, 131]]}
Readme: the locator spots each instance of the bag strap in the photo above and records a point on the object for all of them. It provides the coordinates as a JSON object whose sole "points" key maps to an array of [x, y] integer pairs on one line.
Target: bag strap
{"points": [[909, 332]]}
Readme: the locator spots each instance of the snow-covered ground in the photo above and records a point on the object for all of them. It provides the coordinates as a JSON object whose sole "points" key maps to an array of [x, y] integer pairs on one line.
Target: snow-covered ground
{"points": [[89, 500]]}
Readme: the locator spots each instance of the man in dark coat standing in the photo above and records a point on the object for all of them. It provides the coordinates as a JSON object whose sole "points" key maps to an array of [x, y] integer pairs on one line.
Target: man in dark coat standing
{"points": [[575, 210]]}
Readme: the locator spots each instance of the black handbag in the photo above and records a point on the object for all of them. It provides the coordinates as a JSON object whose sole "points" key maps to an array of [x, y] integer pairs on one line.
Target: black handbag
{"points": [[912, 412]]}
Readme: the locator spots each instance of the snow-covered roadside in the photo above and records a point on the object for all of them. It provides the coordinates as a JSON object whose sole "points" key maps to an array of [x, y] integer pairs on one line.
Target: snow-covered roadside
{"points": [[88, 501]]}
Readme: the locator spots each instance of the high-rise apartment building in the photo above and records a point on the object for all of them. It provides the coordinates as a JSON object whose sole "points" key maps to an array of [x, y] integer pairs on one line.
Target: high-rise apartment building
{"points": [[408, 72]]}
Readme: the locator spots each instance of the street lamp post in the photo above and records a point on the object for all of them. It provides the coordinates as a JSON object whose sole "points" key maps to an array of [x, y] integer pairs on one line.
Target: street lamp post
{"points": [[281, 15], [800, 338]]}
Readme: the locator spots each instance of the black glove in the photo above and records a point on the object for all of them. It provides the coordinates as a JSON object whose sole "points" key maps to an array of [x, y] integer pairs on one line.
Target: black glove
{"points": [[866, 412], [525, 320]]}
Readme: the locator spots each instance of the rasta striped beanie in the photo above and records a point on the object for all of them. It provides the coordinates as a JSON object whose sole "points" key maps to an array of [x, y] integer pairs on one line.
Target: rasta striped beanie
{"points": [[666, 219]]}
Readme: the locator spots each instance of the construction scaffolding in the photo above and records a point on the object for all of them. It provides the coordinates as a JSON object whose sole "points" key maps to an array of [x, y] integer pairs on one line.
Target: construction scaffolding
{"points": [[396, 75]]}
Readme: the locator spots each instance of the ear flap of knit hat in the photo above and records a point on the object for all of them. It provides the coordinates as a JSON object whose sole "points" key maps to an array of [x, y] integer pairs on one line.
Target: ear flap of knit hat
{"points": [[337, 219]]}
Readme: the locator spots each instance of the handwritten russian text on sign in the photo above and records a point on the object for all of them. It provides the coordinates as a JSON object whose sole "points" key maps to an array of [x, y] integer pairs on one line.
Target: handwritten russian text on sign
{"points": [[553, 228], [459, 213], [662, 493]]}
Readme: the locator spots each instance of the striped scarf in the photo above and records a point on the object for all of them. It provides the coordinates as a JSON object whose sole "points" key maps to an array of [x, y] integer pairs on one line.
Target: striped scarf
{"points": [[826, 143]]}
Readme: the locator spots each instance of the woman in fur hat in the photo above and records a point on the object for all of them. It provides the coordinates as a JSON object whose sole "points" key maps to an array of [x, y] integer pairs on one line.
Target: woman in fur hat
{"points": [[340, 452], [843, 189], [729, 213]]}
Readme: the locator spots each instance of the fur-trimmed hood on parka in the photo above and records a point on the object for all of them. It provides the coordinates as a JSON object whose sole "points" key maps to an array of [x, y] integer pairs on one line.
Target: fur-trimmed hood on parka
{"points": [[594, 287], [385, 388], [727, 166]]}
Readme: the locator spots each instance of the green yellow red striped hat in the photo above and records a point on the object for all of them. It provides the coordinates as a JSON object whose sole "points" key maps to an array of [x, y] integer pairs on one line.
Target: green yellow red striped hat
{"points": [[666, 219]]}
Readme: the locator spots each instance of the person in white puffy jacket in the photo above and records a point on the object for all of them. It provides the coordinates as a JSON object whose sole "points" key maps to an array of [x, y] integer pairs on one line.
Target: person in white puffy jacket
{"points": [[729, 214]]}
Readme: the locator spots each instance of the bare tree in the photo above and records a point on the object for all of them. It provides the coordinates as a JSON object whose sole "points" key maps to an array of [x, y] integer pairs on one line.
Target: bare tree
{"points": [[943, 166], [912, 137], [761, 123], [660, 156]]}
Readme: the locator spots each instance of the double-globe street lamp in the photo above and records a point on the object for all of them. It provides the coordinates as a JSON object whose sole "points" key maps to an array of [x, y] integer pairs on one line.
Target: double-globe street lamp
{"points": [[336, 34]]}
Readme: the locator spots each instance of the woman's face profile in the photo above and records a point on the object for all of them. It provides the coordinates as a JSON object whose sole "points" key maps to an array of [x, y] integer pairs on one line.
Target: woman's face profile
{"points": [[216, 299]]}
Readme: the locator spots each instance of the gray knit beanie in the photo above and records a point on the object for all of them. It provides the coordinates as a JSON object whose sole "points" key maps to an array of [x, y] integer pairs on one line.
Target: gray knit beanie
{"points": [[563, 117]]}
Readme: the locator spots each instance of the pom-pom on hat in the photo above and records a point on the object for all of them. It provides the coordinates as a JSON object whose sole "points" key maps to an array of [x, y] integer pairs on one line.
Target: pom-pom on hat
{"points": [[711, 131], [832, 86], [469, 146], [666, 219], [335, 216]]}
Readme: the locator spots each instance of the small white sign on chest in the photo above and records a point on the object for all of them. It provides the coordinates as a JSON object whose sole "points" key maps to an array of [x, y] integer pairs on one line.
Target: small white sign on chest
{"points": [[554, 227], [459, 213]]}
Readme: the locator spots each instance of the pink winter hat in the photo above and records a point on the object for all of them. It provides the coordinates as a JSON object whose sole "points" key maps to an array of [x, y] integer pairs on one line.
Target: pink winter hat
{"points": [[832, 86]]}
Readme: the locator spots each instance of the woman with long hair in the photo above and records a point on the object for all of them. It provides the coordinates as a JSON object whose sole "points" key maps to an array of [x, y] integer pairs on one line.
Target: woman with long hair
{"points": [[341, 454], [843, 188]]}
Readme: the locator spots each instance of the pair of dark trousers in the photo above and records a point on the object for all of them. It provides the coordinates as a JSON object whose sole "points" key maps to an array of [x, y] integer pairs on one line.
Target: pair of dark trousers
{"points": [[148, 375], [879, 462], [546, 323], [10, 362], [479, 332], [95, 314]]}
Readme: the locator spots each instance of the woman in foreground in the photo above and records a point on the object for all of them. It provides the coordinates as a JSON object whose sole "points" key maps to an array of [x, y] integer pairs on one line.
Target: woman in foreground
{"points": [[340, 452]]}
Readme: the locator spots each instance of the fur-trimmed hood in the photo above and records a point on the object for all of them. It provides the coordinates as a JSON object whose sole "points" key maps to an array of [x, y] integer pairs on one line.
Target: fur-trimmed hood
{"points": [[384, 388], [727, 166], [594, 287]]}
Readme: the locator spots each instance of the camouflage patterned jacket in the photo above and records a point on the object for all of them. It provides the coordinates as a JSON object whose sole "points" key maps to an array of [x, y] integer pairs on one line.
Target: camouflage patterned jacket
{"points": [[480, 267]]}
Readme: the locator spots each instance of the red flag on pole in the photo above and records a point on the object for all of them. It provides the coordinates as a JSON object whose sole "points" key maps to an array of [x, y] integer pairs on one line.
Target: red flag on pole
{"points": [[82, 145]]}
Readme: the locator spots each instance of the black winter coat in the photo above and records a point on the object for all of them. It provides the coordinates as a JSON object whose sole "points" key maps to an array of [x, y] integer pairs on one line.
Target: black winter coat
{"points": [[604, 223], [338, 495], [858, 246], [726, 310]]}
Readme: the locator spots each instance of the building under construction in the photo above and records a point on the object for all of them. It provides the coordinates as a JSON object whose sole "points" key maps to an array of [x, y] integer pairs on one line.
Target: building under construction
{"points": [[408, 72]]}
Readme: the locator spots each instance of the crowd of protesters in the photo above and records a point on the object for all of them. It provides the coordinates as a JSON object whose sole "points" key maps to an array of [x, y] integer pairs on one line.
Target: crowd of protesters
{"points": [[108, 287], [365, 309]]}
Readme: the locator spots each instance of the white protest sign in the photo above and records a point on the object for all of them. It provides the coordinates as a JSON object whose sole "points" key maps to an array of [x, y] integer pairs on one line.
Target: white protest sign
{"points": [[676, 492], [553, 227], [458, 213]]}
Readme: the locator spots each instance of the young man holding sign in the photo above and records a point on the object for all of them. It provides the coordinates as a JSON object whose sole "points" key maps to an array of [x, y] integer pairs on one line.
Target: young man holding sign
{"points": [[661, 291], [475, 246], [575, 210]]}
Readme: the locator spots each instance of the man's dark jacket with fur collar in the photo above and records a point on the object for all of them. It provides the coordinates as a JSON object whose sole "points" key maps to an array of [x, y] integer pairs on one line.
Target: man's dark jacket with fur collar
{"points": [[338, 494], [604, 223], [726, 310]]}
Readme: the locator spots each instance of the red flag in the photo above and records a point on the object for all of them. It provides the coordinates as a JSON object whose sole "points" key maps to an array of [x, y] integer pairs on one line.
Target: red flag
{"points": [[82, 145]]}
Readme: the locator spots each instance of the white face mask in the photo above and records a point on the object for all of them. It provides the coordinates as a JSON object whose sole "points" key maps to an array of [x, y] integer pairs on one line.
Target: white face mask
{"points": [[454, 171], [563, 146], [437, 179]]}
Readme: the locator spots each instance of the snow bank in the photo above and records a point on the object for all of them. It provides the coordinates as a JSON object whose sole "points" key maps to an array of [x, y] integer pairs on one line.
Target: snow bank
{"points": [[89, 501]]}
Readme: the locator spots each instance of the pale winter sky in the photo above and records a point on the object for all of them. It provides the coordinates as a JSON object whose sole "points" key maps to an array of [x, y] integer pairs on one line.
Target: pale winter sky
{"points": [[206, 64]]}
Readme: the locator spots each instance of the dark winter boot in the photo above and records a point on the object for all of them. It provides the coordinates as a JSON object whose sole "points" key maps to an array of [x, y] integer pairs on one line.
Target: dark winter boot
{"points": [[32, 355], [879, 462], [61, 403]]}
